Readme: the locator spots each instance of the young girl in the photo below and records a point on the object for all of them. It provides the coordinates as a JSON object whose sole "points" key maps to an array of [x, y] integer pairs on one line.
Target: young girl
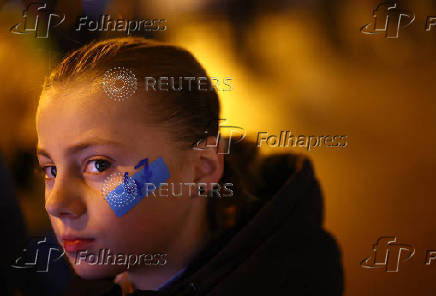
{"points": [[131, 183]]}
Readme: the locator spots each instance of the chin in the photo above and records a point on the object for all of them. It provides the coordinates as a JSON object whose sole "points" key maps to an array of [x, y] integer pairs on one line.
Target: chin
{"points": [[95, 271], [89, 272]]}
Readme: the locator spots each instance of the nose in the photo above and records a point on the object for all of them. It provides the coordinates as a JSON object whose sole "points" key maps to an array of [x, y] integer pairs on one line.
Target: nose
{"points": [[65, 200]]}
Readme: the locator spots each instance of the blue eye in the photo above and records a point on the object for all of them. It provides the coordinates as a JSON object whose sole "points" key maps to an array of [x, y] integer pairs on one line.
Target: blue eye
{"points": [[50, 172], [97, 166]]}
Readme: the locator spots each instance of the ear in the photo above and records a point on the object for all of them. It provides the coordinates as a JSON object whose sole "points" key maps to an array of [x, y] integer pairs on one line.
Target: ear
{"points": [[209, 162]]}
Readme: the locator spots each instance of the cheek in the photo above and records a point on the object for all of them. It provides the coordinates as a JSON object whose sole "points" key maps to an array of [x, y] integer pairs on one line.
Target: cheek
{"points": [[123, 191], [147, 226], [48, 186], [180, 166], [54, 222], [148, 223], [56, 225]]}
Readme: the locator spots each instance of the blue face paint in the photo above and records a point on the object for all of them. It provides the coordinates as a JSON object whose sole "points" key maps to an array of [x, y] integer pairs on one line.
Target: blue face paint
{"points": [[134, 188]]}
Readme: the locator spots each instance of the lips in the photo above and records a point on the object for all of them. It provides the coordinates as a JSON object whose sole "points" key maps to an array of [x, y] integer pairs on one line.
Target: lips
{"points": [[74, 244]]}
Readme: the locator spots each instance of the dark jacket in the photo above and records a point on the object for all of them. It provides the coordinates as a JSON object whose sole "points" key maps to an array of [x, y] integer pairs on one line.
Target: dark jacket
{"points": [[282, 249]]}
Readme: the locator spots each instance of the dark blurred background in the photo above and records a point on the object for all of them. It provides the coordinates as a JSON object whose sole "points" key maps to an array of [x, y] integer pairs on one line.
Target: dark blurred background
{"points": [[295, 65]]}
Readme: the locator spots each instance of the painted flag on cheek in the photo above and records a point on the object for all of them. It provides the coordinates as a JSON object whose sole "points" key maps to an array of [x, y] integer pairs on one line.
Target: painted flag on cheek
{"points": [[130, 190]]}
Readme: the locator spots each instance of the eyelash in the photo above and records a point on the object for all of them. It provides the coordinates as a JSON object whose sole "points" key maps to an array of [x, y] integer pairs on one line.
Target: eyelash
{"points": [[94, 161], [45, 169]]}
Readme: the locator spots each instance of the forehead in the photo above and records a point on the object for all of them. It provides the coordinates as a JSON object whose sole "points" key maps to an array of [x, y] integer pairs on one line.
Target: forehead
{"points": [[77, 111], [84, 97]]}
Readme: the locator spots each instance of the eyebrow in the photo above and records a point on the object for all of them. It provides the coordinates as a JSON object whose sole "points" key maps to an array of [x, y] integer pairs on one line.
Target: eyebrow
{"points": [[80, 146], [40, 151]]}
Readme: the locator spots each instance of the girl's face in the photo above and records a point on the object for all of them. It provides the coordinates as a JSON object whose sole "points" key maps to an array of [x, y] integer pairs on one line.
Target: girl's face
{"points": [[85, 137]]}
